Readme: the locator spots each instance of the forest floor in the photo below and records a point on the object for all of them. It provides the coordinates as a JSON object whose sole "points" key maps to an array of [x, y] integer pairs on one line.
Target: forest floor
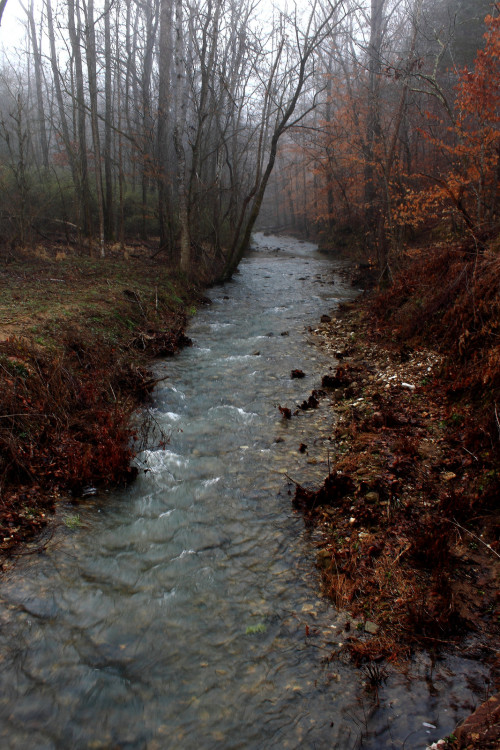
{"points": [[76, 337], [407, 521]]}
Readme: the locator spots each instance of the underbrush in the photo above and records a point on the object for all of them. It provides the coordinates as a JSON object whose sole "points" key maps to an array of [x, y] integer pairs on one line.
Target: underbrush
{"points": [[408, 516], [77, 339], [449, 297], [66, 417]]}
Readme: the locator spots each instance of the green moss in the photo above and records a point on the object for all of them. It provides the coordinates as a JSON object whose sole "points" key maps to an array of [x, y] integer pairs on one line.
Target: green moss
{"points": [[255, 629]]}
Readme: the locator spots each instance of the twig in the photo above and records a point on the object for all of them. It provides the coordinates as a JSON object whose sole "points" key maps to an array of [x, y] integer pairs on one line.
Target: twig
{"points": [[435, 640], [24, 414], [405, 549], [488, 546], [470, 454], [497, 420], [152, 382], [33, 550]]}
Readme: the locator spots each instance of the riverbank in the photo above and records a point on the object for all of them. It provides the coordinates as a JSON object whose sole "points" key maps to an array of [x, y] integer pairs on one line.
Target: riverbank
{"points": [[407, 521], [76, 338]]}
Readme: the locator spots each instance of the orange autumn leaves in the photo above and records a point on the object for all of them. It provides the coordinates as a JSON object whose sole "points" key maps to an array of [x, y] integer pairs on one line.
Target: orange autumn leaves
{"points": [[467, 152], [437, 163]]}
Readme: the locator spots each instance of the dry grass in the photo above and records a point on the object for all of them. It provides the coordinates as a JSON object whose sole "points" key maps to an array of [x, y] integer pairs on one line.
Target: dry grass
{"points": [[75, 338]]}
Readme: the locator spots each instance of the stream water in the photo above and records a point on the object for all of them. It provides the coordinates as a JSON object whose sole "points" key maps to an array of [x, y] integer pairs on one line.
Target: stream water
{"points": [[174, 615]]}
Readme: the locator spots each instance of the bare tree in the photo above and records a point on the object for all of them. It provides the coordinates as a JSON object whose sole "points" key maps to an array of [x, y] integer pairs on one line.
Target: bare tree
{"points": [[178, 136], [79, 110], [37, 62], [108, 123], [164, 108], [291, 72], [94, 119]]}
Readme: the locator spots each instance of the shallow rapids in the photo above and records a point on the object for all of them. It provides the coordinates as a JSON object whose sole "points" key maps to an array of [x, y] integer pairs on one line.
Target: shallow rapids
{"points": [[183, 613]]}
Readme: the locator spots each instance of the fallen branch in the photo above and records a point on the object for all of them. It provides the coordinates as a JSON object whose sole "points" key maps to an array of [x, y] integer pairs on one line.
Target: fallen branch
{"points": [[471, 533]]}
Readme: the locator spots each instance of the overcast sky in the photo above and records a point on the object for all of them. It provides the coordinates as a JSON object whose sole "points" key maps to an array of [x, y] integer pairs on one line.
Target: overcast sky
{"points": [[12, 28]]}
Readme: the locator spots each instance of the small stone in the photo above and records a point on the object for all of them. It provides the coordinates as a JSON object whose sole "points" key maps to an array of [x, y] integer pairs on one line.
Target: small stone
{"points": [[324, 558], [256, 354], [448, 476], [372, 497], [371, 627]]}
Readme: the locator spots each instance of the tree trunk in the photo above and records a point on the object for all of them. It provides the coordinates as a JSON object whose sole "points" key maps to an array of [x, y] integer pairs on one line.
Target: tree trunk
{"points": [[74, 29], [151, 18], [94, 121], [179, 125], [63, 121], [373, 127], [164, 84], [108, 172], [37, 60], [121, 177]]}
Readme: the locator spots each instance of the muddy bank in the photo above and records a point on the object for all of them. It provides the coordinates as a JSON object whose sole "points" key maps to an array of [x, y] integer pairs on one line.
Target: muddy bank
{"points": [[407, 520], [408, 513], [76, 338]]}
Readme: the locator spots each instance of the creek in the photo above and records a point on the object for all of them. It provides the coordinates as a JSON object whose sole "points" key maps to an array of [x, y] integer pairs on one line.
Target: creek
{"points": [[184, 612]]}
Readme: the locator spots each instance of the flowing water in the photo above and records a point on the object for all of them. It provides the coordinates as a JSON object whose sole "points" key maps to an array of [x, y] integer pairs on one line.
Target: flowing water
{"points": [[175, 614]]}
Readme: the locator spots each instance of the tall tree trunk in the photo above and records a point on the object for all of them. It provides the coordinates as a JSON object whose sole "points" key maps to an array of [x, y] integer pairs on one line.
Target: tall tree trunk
{"points": [[37, 60], [94, 120], [178, 134], [210, 33], [63, 121], [74, 28], [151, 17], [373, 127], [164, 87], [121, 177], [385, 234], [108, 172]]}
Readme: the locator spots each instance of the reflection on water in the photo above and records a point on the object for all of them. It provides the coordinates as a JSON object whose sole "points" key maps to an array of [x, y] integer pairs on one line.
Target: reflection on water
{"points": [[175, 616]]}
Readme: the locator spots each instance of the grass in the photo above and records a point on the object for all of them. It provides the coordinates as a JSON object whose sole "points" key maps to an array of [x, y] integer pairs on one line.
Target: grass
{"points": [[255, 629], [76, 336], [41, 295], [72, 521]]}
